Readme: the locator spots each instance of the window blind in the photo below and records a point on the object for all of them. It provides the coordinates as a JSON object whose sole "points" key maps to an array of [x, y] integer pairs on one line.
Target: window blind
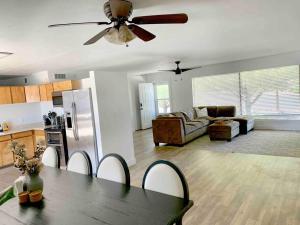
{"points": [[271, 91], [217, 90]]}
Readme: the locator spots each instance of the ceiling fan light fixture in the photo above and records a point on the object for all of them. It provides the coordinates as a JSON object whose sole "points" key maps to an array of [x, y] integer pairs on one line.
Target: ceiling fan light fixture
{"points": [[120, 36]]}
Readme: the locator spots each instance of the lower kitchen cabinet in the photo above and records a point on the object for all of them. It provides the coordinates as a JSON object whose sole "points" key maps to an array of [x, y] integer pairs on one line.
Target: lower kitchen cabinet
{"points": [[29, 146], [6, 155], [38, 135], [28, 138], [25, 138]]}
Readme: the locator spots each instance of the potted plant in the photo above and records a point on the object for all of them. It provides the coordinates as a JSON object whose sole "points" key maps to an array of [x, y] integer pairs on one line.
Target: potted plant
{"points": [[29, 167]]}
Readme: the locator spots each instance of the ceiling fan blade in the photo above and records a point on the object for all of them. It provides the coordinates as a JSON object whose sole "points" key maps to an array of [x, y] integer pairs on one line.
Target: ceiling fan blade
{"points": [[97, 37], [173, 71], [141, 33], [187, 69], [161, 19], [83, 23], [120, 8]]}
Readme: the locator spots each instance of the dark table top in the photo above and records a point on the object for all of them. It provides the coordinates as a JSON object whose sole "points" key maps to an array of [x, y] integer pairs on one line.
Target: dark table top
{"points": [[74, 199]]}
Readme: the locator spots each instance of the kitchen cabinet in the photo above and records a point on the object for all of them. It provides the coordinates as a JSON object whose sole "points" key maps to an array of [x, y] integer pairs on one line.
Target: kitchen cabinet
{"points": [[6, 155], [46, 92], [25, 138], [18, 94], [63, 85], [28, 142], [38, 135], [32, 93], [5, 95]]}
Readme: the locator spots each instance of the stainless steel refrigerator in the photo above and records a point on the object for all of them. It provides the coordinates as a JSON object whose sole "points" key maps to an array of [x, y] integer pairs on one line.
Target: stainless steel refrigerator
{"points": [[79, 124]]}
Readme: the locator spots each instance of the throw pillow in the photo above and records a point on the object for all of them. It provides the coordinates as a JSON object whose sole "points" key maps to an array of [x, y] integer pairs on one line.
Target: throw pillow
{"points": [[201, 113]]}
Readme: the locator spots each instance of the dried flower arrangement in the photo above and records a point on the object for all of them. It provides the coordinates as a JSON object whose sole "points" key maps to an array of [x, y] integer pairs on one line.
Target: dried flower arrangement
{"points": [[30, 166]]}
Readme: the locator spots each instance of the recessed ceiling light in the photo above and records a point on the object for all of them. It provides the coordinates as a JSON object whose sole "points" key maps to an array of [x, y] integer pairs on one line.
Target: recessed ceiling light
{"points": [[5, 54]]}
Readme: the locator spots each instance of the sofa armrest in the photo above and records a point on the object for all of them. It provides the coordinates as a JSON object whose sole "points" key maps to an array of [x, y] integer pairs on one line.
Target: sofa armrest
{"points": [[168, 130]]}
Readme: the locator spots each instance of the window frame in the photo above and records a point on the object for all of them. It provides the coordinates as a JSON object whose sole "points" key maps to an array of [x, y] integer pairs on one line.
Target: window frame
{"points": [[157, 100]]}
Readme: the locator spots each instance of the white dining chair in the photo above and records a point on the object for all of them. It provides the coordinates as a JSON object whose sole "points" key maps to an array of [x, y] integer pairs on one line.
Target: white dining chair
{"points": [[113, 167], [165, 177], [51, 157], [80, 162]]}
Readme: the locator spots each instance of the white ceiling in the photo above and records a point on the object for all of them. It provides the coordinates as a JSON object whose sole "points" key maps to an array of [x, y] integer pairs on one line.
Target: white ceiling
{"points": [[217, 31]]}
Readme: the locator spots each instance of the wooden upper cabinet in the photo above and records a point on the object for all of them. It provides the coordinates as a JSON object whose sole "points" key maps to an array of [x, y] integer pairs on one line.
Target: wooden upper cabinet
{"points": [[32, 93], [46, 92], [18, 94], [5, 95], [63, 85]]}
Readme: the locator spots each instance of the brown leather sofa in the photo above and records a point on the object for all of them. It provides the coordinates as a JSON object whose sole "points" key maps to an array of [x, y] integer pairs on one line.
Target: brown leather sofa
{"points": [[178, 128], [229, 113]]}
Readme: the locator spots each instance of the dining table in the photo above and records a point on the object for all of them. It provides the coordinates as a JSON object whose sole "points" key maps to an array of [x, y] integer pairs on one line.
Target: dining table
{"points": [[74, 199]]}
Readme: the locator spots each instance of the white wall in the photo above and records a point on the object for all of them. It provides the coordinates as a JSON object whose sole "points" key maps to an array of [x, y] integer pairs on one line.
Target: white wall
{"points": [[112, 110], [133, 85], [26, 113], [181, 86], [42, 77], [36, 78], [21, 114]]}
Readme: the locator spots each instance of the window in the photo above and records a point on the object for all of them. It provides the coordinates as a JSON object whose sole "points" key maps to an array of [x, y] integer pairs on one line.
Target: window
{"points": [[217, 90], [162, 93], [273, 91]]}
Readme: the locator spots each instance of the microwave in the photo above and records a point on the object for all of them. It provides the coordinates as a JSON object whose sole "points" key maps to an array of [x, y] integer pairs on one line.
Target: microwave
{"points": [[57, 99]]}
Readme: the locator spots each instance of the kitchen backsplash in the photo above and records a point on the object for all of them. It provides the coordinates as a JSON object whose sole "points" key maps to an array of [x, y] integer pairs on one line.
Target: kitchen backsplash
{"points": [[22, 114]]}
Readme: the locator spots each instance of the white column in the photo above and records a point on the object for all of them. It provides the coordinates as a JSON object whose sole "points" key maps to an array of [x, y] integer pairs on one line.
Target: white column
{"points": [[112, 114]]}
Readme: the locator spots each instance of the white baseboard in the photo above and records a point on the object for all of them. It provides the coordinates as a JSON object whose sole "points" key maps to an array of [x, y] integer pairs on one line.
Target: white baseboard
{"points": [[277, 124]]}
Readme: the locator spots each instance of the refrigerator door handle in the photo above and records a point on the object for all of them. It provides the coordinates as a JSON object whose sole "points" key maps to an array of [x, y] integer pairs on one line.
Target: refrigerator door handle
{"points": [[76, 123], [73, 120]]}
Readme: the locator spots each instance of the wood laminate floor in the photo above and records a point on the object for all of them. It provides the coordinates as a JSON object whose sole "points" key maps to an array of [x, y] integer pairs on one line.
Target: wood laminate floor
{"points": [[229, 188]]}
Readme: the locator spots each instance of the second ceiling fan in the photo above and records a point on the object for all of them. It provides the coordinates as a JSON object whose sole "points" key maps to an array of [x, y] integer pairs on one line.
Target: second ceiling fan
{"points": [[178, 70], [125, 30]]}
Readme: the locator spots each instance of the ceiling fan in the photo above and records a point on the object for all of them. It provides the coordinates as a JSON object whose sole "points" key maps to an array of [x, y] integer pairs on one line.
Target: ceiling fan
{"points": [[178, 70], [5, 54], [125, 30]]}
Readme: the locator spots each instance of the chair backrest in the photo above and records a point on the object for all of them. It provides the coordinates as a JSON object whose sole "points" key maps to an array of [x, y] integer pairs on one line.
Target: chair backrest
{"points": [[165, 177], [113, 167], [51, 157], [80, 162]]}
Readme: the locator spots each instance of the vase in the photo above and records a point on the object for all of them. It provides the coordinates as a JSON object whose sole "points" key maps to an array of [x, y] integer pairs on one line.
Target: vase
{"points": [[34, 182]]}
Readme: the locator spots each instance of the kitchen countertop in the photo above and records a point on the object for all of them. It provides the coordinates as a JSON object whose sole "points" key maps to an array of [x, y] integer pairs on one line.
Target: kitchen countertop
{"points": [[26, 127]]}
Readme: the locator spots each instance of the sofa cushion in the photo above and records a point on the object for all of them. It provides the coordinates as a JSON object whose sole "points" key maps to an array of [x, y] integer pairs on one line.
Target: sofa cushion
{"points": [[211, 110], [225, 111], [183, 115], [190, 128], [204, 122]]}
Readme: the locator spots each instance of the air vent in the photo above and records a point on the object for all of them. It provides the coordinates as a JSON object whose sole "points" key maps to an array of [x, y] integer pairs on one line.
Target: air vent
{"points": [[60, 76]]}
